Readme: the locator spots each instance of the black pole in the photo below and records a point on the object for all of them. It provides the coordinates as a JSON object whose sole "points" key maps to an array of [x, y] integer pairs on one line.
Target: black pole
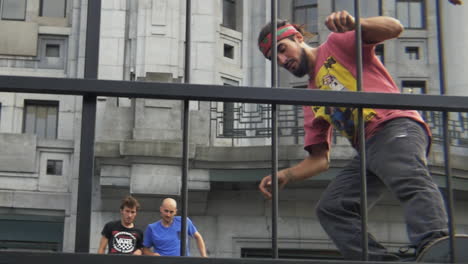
{"points": [[362, 136], [88, 125], [446, 135], [185, 139], [274, 133]]}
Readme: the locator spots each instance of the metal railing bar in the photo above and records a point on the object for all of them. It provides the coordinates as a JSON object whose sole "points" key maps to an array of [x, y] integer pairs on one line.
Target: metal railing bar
{"points": [[88, 125], [361, 134], [446, 135], [185, 132], [449, 186], [80, 258], [220, 93], [274, 134]]}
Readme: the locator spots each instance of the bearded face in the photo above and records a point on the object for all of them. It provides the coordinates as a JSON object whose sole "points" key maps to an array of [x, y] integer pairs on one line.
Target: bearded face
{"points": [[303, 67]]}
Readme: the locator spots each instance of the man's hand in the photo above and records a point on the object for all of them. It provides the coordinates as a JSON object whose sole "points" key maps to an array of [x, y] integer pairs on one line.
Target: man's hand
{"points": [[284, 176], [340, 22], [456, 2]]}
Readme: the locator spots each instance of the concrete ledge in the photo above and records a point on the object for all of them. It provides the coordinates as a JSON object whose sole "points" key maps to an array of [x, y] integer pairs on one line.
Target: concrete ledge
{"points": [[155, 149]]}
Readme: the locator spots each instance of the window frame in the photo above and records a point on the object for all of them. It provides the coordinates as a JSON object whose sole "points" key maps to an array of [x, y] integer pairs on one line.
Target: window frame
{"points": [[378, 48], [228, 110], [424, 114], [56, 63], [232, 24], [2, 2], [48, 103], [413, 53], [423, 14], [41, 9], [352, 11], [56, 162], [295, 8]]}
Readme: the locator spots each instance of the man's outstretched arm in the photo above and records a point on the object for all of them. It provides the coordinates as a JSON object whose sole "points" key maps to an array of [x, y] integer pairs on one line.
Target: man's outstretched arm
{"points": [[314, 164], [374, 29]]}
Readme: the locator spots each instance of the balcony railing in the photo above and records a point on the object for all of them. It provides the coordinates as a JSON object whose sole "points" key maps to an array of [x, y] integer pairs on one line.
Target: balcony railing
{"points": [[254, 121]]}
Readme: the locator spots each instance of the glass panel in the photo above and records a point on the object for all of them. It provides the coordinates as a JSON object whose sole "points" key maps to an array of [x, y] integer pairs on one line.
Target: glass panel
{"points": [[228, 51], [14, 9], [54, 167], [298, 3], [30, 119], [312, 19], [41, 121], [53, 8], [416, 14], [53, 50], [347, 5], [379, 52], [369, 8], [300, 17], [402, 13], [51, 122], [229, 14], [414, 87]]}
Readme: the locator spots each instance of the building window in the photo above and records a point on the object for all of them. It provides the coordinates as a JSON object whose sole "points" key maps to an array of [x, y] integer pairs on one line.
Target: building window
{"points": [[228, 111], [413, 87], [52, 52], [369, 8], [13, 9], [41, 118], [305, 13], [413, 53], [228, 51], [54, 167], [411, 13], [229, 14], [53, 8], [379, 52], [29, 232]]}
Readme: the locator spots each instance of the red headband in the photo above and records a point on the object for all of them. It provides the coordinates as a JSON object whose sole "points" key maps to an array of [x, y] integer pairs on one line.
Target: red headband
{"points": [[281, 33]]}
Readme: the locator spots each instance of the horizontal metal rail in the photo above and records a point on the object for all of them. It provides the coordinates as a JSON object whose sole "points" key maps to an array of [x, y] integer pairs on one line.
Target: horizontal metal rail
{"points": [[222, 93], [80, 258]]}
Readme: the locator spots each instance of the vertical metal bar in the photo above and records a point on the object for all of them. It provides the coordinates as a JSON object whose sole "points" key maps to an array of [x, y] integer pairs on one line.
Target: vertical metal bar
{"points": [[362, 136], [88, 124], [446, 136], [274, 134], [185, 139]]}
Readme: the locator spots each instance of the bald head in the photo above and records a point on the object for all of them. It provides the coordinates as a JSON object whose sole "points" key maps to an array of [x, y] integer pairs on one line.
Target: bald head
{"points": [[169, 202], [168, 210]]}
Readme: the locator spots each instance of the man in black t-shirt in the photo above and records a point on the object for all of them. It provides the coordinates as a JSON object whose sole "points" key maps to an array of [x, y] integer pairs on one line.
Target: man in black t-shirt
{"points": [[121, 236]]}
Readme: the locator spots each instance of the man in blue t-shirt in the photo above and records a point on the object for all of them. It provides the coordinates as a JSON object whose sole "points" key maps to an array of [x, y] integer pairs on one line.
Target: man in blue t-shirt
{"points": [[164, 235]]}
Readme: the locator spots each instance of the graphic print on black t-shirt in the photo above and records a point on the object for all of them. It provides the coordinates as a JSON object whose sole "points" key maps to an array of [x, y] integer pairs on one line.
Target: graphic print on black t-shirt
{"points": [[122, 240]]}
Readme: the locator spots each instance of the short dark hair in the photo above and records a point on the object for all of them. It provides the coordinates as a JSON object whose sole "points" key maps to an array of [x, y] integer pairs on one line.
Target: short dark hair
{"points": [[129, 202], [279, 23]]}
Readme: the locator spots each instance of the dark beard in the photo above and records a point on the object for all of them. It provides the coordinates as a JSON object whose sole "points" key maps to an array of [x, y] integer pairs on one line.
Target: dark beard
{"points": [[303, 67]]}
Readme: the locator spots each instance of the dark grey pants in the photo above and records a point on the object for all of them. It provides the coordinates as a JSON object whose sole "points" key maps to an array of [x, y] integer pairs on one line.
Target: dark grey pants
{"points": [[396, 159]]}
